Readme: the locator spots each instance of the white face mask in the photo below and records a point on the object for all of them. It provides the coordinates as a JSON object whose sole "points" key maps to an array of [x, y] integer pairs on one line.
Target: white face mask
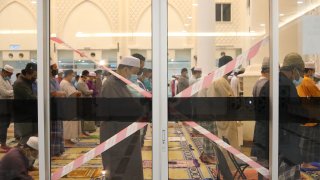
{"points": [[299, 81]]}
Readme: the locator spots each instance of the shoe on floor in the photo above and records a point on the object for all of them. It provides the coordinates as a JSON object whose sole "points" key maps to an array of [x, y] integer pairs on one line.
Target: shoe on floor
{"points": [[207, 159]]}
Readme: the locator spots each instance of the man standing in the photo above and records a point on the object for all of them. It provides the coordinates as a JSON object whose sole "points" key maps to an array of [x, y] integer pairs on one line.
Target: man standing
{"points": [[308, 87], [71, 129], [310, 146], [124, 161], [260, 147], [57, 141], [290, 136], [196, 75], [24, 116], [183, 81], [82, 85], [6, 93], [98, 82], [224, 59]]}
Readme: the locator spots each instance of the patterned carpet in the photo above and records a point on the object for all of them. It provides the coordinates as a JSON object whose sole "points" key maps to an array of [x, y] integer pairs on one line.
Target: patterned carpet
{"points": [[185, 148]]}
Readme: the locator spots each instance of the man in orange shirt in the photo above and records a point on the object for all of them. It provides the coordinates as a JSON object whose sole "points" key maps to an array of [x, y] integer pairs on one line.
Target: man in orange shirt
{"points": [[310, 145], [308, 87]]}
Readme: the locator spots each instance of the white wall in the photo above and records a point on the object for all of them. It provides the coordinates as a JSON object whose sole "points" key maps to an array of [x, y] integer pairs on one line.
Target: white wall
{"points": [[87, 18], [17, 17]]}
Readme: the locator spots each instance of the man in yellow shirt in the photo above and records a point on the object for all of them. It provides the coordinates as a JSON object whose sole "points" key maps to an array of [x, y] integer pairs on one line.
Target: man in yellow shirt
{"points": [[308, 87], [310, 145]]}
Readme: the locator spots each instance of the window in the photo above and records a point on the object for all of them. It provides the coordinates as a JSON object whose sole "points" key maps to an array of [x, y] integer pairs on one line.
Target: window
{"points": [[223, 12]]}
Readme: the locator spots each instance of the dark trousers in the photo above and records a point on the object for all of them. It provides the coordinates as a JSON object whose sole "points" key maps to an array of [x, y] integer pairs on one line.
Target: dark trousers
{"points": [[4, 124]]}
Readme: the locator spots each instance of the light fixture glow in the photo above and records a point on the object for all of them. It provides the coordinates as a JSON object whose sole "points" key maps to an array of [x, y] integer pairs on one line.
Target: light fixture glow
{"points": [[102, 62], [195, 4], [26, 31], [281, 15], [34, 2], [189, 17], [186, 24], [183, 33], [262, 25], [299, 2]]}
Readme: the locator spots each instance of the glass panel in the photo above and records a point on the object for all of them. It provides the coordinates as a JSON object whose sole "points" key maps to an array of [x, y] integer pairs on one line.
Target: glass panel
{"points": [[217, 91], [218, 12], [226, 12], [18, 90], [100, 94], [299, 155]]}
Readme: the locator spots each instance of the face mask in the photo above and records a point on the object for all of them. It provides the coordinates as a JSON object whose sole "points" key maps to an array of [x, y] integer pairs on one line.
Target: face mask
{"points": [[133, 78], [7, 78], [147, 83], [54, 72], [297, 82]]}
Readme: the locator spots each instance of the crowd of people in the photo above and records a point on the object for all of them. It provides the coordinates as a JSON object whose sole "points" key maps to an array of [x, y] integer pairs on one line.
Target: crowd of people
{"points": [[299, 142], [65, 84]]}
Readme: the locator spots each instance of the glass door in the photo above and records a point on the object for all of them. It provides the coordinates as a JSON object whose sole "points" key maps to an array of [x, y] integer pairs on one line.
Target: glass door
{"points": [[218, 65], [101, 89]]}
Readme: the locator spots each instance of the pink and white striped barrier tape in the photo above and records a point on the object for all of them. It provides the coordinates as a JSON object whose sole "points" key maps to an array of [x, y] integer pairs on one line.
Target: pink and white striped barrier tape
{"points": [[82, 54], [123, 134], [207, 80], [262, 170]]}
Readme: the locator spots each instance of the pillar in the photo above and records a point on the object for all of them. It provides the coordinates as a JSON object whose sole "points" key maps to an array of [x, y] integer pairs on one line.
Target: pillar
{"points": [[205, 46]]}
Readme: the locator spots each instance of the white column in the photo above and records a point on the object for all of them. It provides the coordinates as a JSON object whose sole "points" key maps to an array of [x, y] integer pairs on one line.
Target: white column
{"points": [[43, 10], [205, 45], [123, 9]]}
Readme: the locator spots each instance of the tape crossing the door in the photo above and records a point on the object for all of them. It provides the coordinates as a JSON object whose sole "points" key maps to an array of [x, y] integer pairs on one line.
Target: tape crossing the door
{"points": [[239, 60], [117, 138], [134, 127], [262, 170], [82, 54]]}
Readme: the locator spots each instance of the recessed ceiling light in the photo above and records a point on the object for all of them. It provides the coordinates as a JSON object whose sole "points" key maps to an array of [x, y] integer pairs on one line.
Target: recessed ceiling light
{"points": [[186, 24], [195, 4], [172, 60], [34, 2], [281, 15], [299, 2], [262, 25], [189, 17]]}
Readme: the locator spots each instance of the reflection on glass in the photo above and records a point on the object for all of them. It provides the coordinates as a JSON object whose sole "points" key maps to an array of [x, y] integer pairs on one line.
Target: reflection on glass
{"points": [[101, 89], [18, 90], [299, 155], [221, 86]]}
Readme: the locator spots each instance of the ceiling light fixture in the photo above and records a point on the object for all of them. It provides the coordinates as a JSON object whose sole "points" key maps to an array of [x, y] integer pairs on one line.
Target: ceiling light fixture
{"points": [[262, 25], [182, 33], [189, 17], [186, 24], [34, 2], [299, 2], [195, 4], [281, 15]]}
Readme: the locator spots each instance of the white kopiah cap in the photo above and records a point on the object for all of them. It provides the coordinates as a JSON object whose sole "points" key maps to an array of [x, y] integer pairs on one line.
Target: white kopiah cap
{"points": [[8, 68], [310, 65], [33, 142], [92, 74], [198, 69], [130, 61]]}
